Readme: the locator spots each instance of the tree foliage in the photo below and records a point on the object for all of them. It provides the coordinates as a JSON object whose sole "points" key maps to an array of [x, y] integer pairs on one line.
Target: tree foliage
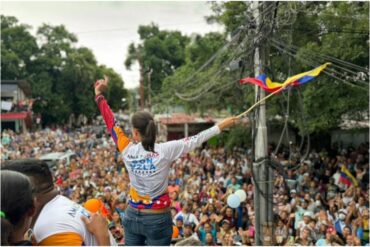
{"points": [[160, 51], [314, 29], [61, 75]]}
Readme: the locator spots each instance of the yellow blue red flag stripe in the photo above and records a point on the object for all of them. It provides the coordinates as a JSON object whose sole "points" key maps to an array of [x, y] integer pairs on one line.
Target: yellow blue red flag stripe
{"points": [[347, 178], [265, 82]]}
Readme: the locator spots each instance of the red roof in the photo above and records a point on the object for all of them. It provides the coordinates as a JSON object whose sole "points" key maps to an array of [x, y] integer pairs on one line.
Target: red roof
{"points": [[13, 115]]}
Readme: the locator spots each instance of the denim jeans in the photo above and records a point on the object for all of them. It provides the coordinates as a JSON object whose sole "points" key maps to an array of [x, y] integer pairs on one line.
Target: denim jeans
{"points": [[147, 229]]}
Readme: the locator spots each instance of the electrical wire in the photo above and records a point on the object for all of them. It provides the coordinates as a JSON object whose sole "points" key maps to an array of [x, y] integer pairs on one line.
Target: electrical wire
{"points": [[133, 28], [330, 58], [188, 80], [320, 62], [282, 49], [207, 88], [316, 63], [263, 159]]}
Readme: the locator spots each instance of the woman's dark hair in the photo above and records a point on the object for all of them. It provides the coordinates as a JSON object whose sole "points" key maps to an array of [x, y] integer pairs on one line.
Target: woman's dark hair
{"points": [[143, 121], [17, 200]]}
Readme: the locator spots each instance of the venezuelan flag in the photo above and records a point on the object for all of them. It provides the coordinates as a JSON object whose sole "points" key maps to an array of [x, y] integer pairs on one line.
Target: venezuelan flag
{"points": [[265, 83], [347, 178]]}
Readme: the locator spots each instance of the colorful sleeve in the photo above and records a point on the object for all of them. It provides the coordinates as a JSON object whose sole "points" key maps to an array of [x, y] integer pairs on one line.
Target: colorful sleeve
{"points": [[118, 136]]}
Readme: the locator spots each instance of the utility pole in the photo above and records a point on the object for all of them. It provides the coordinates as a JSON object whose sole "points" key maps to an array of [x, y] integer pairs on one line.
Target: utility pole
{"points": [[150, 89], [262, 202], [141, 89]]}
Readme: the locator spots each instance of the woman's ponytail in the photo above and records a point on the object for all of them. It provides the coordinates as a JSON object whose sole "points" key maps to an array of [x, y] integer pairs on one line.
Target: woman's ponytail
{"points": [[144, 123], [148, 140]]}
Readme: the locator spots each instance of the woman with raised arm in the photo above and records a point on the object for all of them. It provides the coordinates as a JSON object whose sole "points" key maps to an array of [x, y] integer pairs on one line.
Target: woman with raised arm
{"points": [[148, 216]]}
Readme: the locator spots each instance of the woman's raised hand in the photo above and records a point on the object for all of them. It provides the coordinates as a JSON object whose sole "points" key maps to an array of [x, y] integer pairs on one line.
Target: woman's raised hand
{"points": [[101, 85]]}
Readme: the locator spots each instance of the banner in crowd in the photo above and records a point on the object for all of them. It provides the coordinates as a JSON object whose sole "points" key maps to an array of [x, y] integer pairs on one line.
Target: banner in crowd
{"points": [[5, 105]]}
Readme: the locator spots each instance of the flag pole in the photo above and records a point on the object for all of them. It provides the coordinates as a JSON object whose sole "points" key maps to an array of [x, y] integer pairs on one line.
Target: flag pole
{"points": [[261, 100]]}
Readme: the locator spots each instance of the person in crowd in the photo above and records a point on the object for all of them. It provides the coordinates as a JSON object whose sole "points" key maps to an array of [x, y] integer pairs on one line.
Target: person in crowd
{"points": [[17, 209], [148, 165], [205, 227], [186, 214], [96, 167], [67, 227]]}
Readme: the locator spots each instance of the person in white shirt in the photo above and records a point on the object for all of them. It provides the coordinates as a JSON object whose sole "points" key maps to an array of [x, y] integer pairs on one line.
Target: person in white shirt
{"points": [[148, 217], [57, 220], [188, 218]]}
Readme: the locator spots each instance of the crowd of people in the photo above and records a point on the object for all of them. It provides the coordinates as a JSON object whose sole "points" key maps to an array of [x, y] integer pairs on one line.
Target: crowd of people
{"points": [[312, 205]]}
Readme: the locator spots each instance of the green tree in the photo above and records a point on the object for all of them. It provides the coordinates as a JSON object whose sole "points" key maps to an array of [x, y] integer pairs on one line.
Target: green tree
{"points": [[51, 66], [61, 76], [336, 29], [18, 47], [231, 14], [160, 51]]}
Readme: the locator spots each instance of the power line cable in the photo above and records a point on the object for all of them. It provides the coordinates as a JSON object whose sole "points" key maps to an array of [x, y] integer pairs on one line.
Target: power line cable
{"points": [[133, 28], [320, 61], [295, 50], [220, 71], [222, 49], [315, 64], [208, 87], [330, 58]]}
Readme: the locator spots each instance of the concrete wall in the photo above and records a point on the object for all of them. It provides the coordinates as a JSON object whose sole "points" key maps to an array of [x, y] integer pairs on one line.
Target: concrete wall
{"points": [[350, 137], [274, 136], [12, 91]]}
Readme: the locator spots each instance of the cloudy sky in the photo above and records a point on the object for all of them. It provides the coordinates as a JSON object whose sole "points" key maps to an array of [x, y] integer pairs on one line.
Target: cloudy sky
{"points": [[108, 27]]}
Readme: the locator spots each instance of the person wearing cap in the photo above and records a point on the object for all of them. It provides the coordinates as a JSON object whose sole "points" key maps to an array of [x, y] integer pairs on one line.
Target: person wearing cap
{"points": [[117, 231], [293, 195], [225, 229], [180, 225], [340, 223], [298, 213], [304, 223], [189, 230]]}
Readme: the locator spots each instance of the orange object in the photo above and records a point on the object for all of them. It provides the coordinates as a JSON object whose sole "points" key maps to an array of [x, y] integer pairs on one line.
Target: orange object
{"points": [[175, 232], [95, 205]]}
